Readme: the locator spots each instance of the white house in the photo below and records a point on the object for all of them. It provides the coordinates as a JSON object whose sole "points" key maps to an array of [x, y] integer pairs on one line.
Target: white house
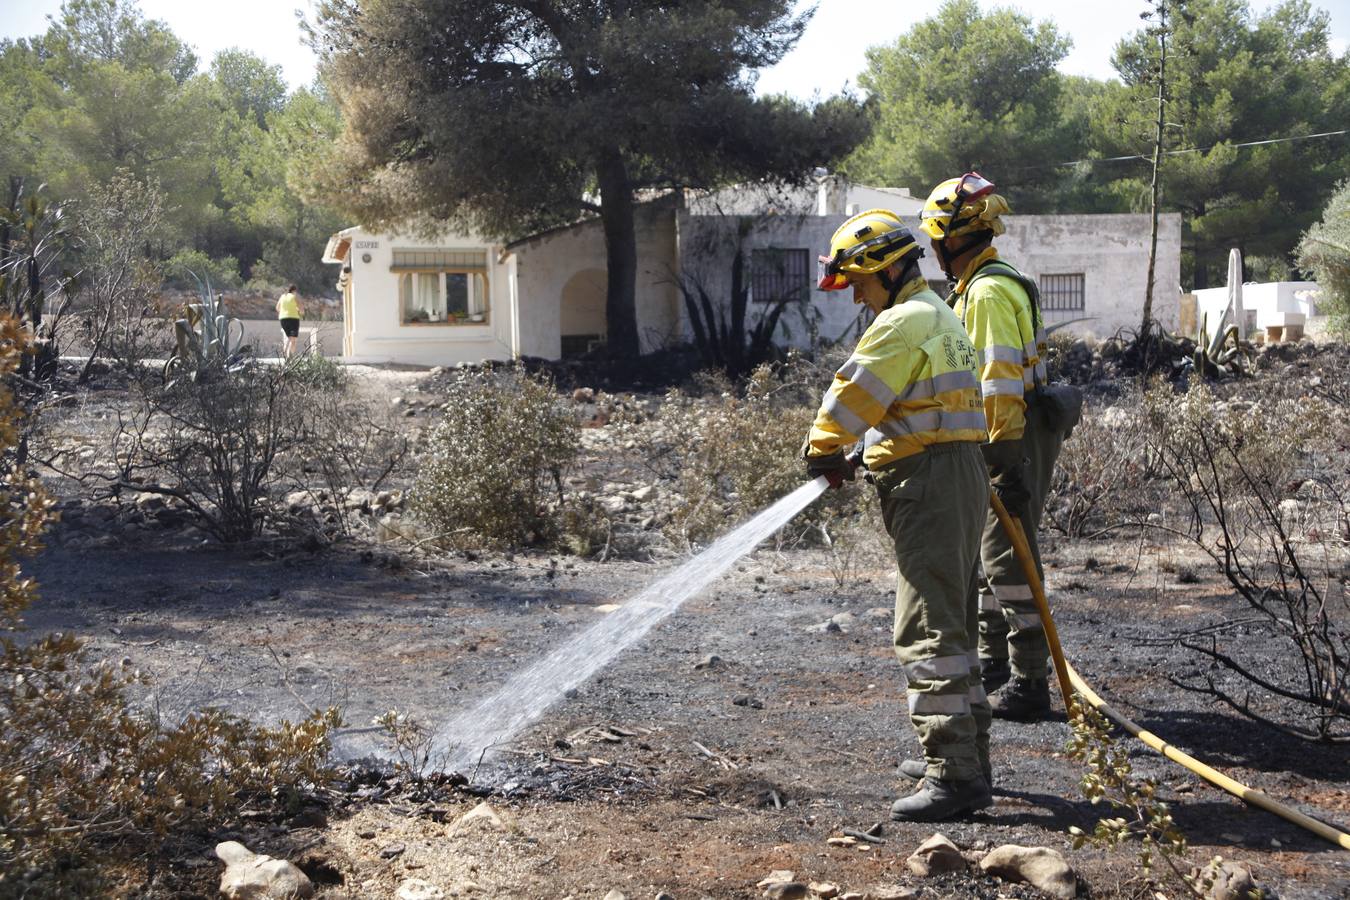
{"points": [[459, 298], [422, 301]]}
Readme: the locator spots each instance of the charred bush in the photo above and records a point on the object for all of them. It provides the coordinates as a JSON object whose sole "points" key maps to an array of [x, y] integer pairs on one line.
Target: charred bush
{"points": [[1103, 474], [90, 779], [1253, 480], [739, 451], [490, 469], [213, 445]]}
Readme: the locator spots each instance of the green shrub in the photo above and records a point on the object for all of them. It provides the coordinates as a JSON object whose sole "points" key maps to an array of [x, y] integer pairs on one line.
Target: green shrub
{"points": [[491, 471], [1325, 252], [223, 273]]}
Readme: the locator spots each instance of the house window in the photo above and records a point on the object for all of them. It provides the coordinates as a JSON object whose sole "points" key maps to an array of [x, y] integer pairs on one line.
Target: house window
{"points": [[442, 287], [778, 275], [1062, 293]]}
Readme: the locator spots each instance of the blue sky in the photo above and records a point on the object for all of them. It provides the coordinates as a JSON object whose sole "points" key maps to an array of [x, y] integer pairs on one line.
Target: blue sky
{"points": [[829, 56]]}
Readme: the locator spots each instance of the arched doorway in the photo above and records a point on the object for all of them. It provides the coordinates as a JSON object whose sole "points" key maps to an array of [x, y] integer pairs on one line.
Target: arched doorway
{"points": [[581, 321]]}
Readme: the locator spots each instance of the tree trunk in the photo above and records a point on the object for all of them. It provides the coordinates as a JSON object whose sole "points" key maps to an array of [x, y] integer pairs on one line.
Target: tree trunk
{"points": [[617, 219], [1147, 324]]}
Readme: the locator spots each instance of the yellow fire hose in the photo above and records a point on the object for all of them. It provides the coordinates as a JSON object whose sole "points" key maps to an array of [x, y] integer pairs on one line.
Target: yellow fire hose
{"points": [[1069, 680]]}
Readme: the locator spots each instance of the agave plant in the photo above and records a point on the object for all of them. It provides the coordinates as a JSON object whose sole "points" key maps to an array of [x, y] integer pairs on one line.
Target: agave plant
{"points": [[206, 338]]}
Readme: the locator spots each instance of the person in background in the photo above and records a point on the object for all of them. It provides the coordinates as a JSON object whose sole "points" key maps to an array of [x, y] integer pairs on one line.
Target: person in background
{"points": [[909, 395], [997, 304], [288, 314]]}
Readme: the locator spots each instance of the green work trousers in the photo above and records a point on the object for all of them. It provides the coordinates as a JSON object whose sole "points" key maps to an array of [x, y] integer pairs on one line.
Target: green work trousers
{"points": [[1010, 626], [934, 504]]}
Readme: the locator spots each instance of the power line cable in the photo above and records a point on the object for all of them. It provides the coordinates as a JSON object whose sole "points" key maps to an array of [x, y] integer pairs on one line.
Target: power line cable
{"points": [[1143, 158]]}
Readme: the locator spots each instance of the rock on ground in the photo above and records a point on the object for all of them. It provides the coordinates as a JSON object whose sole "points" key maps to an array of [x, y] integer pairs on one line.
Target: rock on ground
{"points": [[1042, 868], [936, 856], [417, 889], [484, 818], [257, 876], [1227, 881]]}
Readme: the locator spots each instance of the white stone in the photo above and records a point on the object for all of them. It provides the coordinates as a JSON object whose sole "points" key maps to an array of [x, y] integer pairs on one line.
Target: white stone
{"points": [[417, 889], [257, 876], [644, 493], [483, 817]]}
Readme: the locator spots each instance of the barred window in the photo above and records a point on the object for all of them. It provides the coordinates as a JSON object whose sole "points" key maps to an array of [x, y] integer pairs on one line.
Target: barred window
{"points": [[1062, 293], [778, 275]]}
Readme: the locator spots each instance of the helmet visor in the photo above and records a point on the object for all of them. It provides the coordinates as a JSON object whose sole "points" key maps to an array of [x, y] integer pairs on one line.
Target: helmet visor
{"points": [[973, 185], [828, 276]]}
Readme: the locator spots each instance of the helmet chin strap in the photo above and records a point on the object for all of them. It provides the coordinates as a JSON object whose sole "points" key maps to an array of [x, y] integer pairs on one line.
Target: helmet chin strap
{"points": [[948, 256], [893, 286]]}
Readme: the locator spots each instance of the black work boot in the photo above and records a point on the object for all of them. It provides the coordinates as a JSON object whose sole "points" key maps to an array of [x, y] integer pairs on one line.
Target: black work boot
{"points": [[1023, 700], [940, 801], [918, 770], [994, 673]]}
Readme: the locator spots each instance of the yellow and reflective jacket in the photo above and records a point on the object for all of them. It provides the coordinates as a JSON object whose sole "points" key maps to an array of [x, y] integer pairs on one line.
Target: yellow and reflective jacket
{"points": [[997, 313], [910, 383]]}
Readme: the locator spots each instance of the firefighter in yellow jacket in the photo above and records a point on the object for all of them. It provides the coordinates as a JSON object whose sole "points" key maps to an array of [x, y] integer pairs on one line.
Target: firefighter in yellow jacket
{"points": [[909, 394], [997, 304]]}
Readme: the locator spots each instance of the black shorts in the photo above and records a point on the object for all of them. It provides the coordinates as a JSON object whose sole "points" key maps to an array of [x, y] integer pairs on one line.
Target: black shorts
{"points": [[290, 327]]}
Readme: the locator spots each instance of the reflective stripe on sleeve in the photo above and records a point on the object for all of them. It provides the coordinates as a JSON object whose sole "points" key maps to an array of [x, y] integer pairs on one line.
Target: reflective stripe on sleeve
{"points": [[843, 415], [1025, 620], [1002, 387], [1001, 353], [977, 694], [938, 704], [877, 389], [937, 667], [989, 603]]}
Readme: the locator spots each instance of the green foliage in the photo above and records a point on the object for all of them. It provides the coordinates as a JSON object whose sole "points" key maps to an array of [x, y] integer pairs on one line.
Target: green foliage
{"points": [[512, 120], [1109, 779], [316, 371], [207, 340], [1235, 76], [107, 91], [965, 89], [490, 466], [184, 268], [1325, 252]]}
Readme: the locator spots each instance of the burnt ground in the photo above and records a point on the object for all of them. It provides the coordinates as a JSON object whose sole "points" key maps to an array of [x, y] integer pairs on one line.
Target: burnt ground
{"points": [[700, 796]]}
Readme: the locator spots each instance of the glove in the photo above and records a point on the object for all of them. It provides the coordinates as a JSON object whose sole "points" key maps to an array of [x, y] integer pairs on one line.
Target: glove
{"points": [[834, 467], [1007, 475]]}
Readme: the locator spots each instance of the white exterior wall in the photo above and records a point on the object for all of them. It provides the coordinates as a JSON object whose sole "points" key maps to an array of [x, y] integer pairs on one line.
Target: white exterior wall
{"points": [[548, 263], [375, 329], [1272, 304], [1111, 252]]}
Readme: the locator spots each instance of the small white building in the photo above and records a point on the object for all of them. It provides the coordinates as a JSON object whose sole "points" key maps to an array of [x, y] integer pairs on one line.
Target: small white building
{"points": [[1279, 308], [422, 301], [459, 298]]}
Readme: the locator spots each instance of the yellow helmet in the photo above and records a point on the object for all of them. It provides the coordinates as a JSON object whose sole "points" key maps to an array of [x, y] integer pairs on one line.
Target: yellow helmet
{"points": [[962, 205], [866, 243]]}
